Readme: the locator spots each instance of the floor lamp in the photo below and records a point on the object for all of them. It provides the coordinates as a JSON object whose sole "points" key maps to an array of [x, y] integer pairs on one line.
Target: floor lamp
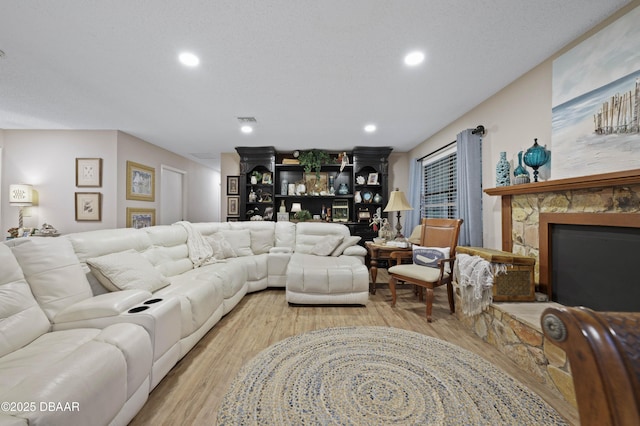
{"points": [[398, 203]]}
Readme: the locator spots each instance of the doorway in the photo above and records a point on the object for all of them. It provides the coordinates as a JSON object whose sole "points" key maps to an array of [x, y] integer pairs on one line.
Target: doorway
{"points": [[172, 198]]}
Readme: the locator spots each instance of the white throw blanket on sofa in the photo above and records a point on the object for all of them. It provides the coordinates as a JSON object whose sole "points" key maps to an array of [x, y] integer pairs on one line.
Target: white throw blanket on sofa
{"points": [[474, 276], [200, 251]]}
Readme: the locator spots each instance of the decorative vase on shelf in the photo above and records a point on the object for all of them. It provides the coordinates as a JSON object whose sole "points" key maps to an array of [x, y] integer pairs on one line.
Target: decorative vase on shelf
{"points": [[536, 157], [343, 189], [283, 208], [332, 190], [377, 198], [502, 171], [254, 180], [357, 197], [520, 170], [284, 187], [521, 174]]}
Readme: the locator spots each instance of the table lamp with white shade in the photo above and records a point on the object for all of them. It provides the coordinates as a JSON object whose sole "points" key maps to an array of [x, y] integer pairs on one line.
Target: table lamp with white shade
{"points": [[398, 203], [20, 195]]}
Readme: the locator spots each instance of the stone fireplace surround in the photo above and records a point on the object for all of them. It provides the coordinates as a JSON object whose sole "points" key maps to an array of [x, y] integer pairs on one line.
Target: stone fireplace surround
{"points": [[528, 211]]}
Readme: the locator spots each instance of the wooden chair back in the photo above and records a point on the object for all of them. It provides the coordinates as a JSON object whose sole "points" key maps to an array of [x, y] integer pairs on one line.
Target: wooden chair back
{"points": [[603, 349], [440, 233]]}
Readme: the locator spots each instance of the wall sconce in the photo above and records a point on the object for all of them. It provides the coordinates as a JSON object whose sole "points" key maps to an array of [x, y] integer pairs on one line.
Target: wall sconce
{"points": [[20, 195]]}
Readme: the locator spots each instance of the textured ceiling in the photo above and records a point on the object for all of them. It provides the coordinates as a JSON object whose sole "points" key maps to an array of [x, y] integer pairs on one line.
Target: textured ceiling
{"points": [[312, 72]]}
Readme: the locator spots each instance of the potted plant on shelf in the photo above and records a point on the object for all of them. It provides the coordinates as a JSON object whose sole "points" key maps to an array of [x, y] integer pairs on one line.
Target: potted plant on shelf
{"points": [[313, 160], [302, 215], [256, 177]]}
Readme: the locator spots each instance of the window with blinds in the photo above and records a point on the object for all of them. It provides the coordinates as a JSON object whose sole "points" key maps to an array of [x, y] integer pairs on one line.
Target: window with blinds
{"points": [[440, 184]]}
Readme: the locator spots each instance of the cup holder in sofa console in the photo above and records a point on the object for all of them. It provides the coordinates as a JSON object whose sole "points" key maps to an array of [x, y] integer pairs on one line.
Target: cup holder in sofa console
{"points": [[137, 309], [152, 301]]}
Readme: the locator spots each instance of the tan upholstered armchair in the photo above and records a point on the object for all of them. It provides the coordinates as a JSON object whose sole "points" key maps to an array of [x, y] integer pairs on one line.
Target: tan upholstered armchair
{"points": [[442, 233]]}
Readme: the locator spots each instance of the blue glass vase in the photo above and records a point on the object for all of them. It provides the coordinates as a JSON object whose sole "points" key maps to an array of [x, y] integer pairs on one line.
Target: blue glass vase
{"points": [[535, 157], [520, 170]]}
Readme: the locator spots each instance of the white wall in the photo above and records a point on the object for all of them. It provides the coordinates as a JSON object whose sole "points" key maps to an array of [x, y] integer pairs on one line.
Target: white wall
{"points": [[46, 159], [513, 117], [202, 188]]}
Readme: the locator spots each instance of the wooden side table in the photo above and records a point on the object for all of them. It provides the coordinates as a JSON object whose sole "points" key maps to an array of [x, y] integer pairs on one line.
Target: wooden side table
{"points": [[379, 252]]}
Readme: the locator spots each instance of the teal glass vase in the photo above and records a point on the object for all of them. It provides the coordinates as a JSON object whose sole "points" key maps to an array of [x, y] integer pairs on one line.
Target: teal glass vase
{"points": [[536, 157]]}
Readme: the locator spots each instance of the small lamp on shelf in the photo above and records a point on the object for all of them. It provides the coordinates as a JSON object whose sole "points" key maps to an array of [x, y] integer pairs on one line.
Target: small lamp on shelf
{"points": [[295, 208], [20, 195], [398, 203]]}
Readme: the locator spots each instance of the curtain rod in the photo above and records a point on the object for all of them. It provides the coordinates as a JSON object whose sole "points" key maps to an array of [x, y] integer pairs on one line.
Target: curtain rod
{"points": [[479, 129], [436, 151]]}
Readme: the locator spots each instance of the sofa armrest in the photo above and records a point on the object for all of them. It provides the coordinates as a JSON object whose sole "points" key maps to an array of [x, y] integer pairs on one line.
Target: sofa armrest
{"points": [[103, 305], [355, 251]]}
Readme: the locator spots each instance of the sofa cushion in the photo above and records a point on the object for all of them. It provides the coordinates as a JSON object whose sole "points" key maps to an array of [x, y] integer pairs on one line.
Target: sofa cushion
{"points": [[95, 369], [261, 240], [21, 319], [222, 248], [199, 294], [127, 270], [310, 233], [326, 245], [53, 272], [240, 240], [346, 242]]}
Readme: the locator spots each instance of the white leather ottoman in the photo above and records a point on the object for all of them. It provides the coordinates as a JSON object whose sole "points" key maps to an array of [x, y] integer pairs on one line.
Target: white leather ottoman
{"points": [[317, 280]]}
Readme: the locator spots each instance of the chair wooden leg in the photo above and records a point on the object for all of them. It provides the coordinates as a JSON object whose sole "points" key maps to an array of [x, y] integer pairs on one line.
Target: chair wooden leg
{"points": [[429, 303], [418, 291], [392, 287], [452, 303]]}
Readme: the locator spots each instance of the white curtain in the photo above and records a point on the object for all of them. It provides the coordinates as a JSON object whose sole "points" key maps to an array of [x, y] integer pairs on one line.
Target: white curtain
{"points": [[469, 175], [414, 195]]}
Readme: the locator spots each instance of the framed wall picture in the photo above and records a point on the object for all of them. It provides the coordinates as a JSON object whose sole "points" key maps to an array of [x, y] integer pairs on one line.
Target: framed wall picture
{"points": [[233, 206], [140, 218], [89, 172], [140, 182], [233, 185], [266, 178], [373, 179], [88, 206]]}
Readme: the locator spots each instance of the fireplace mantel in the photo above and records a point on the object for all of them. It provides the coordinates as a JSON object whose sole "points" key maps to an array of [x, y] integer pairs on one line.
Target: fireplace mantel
{"points": [[627, 177]]}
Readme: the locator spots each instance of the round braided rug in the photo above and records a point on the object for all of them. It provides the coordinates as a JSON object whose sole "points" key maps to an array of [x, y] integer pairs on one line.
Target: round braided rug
{"points": [[377, 376]]}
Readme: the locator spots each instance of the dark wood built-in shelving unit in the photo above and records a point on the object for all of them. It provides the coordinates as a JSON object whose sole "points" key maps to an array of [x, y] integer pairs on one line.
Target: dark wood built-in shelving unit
{"points": [[362, 162]]}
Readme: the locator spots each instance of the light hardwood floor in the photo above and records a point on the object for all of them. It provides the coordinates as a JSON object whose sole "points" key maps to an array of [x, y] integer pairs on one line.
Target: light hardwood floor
{"points": [[192, 391]]}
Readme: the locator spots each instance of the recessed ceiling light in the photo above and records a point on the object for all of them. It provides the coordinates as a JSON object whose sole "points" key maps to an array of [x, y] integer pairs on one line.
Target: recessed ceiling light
{"points": [[246, 129], [414, 58], [370, 128], [189, 59]]}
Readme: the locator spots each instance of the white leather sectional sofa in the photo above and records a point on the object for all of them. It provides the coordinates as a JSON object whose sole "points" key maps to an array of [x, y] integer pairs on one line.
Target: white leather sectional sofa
{"points": [[74, 352]]}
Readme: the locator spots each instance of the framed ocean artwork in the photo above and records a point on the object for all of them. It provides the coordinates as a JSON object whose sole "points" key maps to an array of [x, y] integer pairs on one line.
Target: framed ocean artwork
{"points": [[596, 103]]}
